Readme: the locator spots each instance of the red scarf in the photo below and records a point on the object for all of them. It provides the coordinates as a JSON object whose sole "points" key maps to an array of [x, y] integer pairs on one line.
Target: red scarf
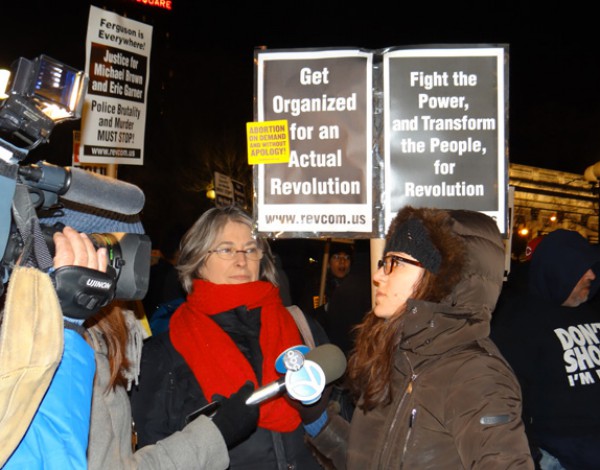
{"points": [[217, 363]]}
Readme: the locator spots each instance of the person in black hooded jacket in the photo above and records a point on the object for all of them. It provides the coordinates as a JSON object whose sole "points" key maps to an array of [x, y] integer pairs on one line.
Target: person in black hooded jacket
{"points": [[551, 337]]}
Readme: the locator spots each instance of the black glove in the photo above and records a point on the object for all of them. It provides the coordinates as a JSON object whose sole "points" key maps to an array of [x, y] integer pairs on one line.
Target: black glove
{"points": [[310, 413], [234, 418]]}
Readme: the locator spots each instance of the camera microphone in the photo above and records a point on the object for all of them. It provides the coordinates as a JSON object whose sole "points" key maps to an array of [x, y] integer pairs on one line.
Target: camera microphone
{"points": [[84, 187], [104, 192]]}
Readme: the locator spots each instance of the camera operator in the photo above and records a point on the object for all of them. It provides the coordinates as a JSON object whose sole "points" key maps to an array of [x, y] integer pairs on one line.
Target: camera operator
{"points": [[57, 430], [115, 335]]}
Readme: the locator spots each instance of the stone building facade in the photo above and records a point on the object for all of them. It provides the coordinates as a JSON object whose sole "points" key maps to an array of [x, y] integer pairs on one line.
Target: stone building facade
{"points": [[545, 200]]}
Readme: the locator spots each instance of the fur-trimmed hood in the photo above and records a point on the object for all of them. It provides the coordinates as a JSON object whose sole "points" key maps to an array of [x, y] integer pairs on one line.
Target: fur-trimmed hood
{"points": [[470, 277]]}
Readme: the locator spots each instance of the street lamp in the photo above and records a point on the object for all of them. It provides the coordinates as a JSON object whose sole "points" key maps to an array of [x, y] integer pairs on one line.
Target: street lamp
{"points": [[210, 191]]}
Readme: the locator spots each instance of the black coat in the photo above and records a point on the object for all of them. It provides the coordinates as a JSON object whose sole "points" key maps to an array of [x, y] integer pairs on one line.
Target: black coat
{"points": [[168, 392]]}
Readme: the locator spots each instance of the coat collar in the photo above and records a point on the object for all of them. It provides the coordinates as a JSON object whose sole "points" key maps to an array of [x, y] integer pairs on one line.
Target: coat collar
{"points": [[431, 328]]}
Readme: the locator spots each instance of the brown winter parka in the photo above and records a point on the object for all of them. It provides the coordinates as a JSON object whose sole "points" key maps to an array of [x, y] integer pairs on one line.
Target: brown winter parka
{"points": [[456, 403]]}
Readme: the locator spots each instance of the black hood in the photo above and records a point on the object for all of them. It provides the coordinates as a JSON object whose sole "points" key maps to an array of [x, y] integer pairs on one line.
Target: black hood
{"points": [[559, 261]]}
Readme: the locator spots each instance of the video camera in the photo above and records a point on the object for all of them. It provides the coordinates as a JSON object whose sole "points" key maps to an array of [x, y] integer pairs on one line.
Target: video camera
{"points": [[38, 94]]}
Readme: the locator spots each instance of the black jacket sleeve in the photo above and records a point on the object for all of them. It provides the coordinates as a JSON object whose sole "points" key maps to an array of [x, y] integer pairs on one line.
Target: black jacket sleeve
{"points": [[166, 394]]}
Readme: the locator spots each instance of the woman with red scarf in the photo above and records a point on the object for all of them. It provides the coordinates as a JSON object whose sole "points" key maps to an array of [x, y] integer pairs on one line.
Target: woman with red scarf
{"points": [[231, 329]]}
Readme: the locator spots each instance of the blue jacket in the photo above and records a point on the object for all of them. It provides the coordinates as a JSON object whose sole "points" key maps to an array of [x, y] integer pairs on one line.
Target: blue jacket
{"points": [[58, 435]]}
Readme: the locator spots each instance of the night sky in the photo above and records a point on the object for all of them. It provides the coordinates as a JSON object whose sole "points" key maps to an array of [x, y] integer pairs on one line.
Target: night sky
{"points": [[554, 92]]}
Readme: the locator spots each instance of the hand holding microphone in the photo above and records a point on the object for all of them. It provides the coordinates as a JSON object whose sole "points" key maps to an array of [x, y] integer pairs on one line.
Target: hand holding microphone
{"points": [[313, 411], [235, 420], [320, 366], [307, 374]]}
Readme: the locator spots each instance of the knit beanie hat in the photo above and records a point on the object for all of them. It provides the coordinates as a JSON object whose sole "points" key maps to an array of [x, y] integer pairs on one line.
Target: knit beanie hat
{"points": [[412, 238]]}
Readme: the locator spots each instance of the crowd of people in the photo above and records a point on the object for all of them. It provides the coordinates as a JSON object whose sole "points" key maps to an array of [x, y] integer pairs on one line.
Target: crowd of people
{"points": [[446, 368]]}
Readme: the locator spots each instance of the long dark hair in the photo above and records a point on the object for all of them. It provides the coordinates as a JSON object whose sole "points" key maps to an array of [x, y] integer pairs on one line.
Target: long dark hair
{"points": [[110, 322], [371, 361]]}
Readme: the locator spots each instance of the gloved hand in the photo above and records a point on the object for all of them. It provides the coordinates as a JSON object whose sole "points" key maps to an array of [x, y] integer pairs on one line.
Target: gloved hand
{"points": [[313, 414], [234, 418]]}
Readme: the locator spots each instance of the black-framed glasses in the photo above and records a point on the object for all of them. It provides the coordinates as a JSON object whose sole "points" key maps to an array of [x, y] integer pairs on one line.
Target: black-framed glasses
{"points": [[339, 257], [389, 262], [227, 253]]}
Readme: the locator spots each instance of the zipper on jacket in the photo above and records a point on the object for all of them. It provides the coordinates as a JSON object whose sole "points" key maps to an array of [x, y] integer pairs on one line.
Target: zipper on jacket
{"points": [[411, 423], [405, 396], [170, 399], [134, 436], [413, 412]]}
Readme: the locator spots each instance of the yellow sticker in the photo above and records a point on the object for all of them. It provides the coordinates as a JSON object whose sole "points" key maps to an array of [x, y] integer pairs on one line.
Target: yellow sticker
{"points": [[268, 142]]}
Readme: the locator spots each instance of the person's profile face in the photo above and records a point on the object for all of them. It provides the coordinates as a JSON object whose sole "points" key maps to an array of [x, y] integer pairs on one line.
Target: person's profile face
{"points": [[581, 291], [339, 264], [396, 281]]}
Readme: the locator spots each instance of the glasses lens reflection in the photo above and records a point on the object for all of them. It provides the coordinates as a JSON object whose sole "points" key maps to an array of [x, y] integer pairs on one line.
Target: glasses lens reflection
{"points": [[253, 254]]}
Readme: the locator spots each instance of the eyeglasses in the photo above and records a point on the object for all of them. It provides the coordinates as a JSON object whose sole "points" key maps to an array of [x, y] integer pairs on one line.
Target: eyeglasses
{"points": [[253, 253], [338, 257], [389, 262]]}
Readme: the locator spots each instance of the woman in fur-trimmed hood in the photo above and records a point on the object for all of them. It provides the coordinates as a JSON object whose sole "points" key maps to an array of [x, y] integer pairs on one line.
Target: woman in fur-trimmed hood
{"points": [[433, 390]]}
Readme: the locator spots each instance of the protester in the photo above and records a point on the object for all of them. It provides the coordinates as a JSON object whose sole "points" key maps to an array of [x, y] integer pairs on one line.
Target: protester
{"points": [[164, 285], [165, 292], [339, 262], [231, 329], [515, 284], [549, 336], [434, 391], [350, 301]]}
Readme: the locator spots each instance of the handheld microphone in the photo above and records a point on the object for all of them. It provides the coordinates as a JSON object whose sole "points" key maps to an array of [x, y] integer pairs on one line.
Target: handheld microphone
{"points": [[84, 187], [328, 358]]}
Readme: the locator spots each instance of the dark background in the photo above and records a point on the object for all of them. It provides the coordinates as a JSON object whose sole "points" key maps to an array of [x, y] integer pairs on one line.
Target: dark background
{"points": [[201, 83]]}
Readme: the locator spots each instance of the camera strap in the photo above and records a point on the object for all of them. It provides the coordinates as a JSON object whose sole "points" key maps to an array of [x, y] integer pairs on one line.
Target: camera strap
{"points": [[8, 182], [35, 250]]}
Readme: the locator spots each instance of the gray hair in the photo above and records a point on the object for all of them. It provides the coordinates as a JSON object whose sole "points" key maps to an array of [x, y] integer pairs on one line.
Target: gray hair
{"points": [[199, 239]]}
